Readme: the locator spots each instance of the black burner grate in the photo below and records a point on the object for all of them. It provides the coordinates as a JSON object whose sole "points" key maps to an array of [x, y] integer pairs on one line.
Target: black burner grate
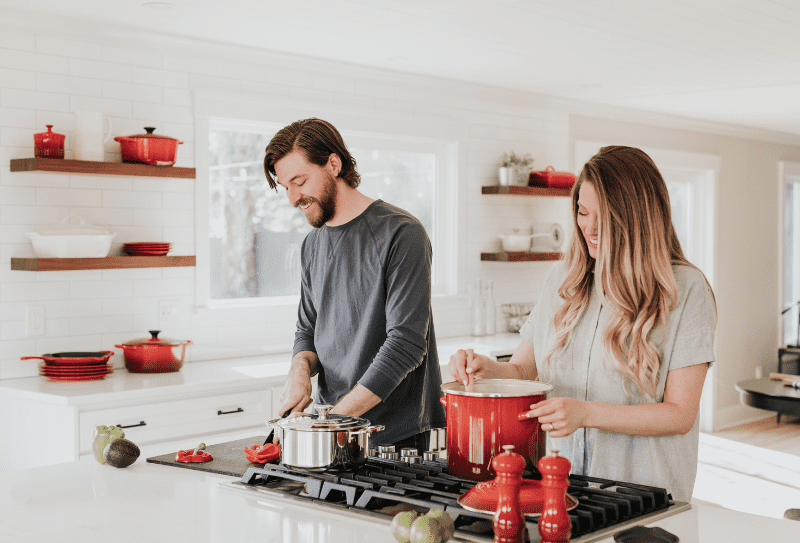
{"points": [[386, 487]]}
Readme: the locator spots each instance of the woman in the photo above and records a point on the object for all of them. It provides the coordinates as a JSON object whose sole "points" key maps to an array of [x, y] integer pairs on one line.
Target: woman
{"points": [[624, 331]]}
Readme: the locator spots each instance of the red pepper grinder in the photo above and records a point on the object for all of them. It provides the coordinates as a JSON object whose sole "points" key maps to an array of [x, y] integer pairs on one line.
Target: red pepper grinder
{"points": [[509, 523], [554, 524]]}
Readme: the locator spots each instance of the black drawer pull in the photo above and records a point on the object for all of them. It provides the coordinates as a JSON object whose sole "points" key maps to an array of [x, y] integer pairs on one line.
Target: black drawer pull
{"points": [[240, 410], [143, 423]]}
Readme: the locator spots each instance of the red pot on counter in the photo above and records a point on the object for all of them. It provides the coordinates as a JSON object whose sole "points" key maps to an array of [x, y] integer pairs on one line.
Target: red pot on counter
{"points": [[154, 354], [149, 148], [491, 414]]}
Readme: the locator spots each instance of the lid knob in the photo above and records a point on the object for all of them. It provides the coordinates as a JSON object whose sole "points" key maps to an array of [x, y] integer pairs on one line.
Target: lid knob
{"points": [[150, 129], [323, 411], [154, 334]]}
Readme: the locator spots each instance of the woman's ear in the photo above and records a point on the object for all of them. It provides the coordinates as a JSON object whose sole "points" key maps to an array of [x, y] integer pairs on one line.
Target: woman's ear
{"points": [[335, 164]]}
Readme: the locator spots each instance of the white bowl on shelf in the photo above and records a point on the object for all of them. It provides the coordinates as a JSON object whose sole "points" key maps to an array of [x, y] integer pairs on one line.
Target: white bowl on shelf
{"points": [[516, 243], [66, 240]]}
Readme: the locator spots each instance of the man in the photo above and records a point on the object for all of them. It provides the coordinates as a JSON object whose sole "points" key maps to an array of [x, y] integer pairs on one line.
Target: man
{"points": [[364, 321]]}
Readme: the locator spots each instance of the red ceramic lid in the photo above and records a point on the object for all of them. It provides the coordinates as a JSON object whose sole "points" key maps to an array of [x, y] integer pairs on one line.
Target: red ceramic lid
{"points": [[484, 496], [154, 340]]}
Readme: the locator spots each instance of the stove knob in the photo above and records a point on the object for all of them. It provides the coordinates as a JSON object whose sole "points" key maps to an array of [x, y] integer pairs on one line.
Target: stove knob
{"points": [[385, 448], [408, 451], [430, 456]]}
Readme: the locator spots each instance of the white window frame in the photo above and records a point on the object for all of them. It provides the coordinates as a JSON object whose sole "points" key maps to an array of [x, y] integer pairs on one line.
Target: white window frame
{"points": [[232, 112]]}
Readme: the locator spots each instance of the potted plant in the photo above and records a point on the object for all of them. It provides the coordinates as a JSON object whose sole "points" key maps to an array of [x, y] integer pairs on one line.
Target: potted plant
{"points": [[514, 169]]}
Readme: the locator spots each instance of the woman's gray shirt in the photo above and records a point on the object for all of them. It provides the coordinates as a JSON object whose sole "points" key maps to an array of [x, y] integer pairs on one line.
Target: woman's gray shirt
{"points": [[582, 372], [365, 309]]}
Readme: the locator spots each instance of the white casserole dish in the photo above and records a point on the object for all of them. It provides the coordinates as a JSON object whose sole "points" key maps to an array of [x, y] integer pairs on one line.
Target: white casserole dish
{"points": [[66, 240]]}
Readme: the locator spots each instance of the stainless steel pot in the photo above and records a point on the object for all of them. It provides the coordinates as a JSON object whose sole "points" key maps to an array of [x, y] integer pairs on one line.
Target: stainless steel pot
{"points": [[322, 442]]}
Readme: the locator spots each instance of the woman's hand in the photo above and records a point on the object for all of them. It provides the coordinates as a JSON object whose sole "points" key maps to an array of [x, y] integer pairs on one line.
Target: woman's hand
{"points": [[466, 365], [560, 416]]}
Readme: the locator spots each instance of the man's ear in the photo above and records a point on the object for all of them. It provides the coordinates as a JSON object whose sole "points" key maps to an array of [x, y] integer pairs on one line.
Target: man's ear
{"points": [[335, 164]]}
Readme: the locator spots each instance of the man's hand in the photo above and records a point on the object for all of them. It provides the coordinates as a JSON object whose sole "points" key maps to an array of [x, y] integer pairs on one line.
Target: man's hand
{"points": [[296, 393]]}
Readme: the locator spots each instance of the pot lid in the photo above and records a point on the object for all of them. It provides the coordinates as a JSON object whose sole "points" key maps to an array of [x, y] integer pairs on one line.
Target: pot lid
{"points": [[155, 340], [67, 228], [498, 388], [150, 134], [322, 422]]}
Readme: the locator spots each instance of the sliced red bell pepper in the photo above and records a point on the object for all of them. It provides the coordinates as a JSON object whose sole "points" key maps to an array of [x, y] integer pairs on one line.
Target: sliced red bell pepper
{"points": [[261, 454], [196, 455]]}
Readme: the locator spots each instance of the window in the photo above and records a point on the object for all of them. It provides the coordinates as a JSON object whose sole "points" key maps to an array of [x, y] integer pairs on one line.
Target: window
{"points": [[255, 234], [790, 180]]}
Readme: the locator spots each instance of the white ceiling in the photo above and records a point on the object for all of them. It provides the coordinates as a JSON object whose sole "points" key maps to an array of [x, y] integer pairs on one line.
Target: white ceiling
{"points": [[730, 61]]}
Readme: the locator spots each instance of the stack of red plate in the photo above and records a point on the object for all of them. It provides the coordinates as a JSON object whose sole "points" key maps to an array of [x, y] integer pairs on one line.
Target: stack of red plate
{"points": [[77, 366], [146, 248]]}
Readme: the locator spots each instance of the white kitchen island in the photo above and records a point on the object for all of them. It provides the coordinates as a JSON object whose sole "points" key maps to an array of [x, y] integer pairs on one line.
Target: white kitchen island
{"points": [[86, 502]]}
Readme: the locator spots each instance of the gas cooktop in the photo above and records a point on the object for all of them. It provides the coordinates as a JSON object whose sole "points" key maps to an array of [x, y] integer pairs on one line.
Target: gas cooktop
{"points": [[382, 488]]}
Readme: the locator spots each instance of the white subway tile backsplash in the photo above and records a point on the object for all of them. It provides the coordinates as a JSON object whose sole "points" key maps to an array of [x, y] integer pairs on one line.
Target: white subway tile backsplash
{"points": [[84, 290], [191, 64], [163, 287], [172, 200], [132, 273], [134, 92], [131, 199], [88, 342], [137, 57], [66, 309], [35, 100], [177, 97], [105, 324], [69, 84], [23, 292], [157, 217], [17, 79], [68, 197], [179, 234], [104, 216], [21, 118], [130, 306], [31, 215], [17, 195], [11, 39], [106, 71], [110, 107], [242, 71], [36, 62], [164, 184], [100, 182], [67, 48], [154, 113]]}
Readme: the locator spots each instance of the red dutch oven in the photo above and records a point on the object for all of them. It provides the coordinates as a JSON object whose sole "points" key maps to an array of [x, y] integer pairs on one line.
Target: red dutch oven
{"points": [[149, 148], [491, 414], [154, 354]]}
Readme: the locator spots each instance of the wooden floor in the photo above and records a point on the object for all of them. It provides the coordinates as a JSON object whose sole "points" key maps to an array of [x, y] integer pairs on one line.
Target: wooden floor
{"points": [[767, 433]]}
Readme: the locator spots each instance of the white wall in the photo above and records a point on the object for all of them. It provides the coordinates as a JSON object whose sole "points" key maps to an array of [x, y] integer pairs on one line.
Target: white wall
{"points": [[46, 75]]}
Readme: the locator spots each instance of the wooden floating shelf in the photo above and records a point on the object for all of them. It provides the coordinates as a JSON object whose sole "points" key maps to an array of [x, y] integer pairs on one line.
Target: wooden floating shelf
{"points": [[107, 263], [39, 164], [525, 191], [503, 256]]}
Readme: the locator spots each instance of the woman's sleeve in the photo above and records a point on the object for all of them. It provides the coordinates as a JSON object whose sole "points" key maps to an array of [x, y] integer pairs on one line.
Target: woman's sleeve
{"points": [[696, 320]]}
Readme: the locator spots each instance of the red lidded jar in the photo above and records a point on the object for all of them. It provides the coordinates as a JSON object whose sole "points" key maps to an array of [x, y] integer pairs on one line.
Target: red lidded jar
{"points": [[49, 144]]}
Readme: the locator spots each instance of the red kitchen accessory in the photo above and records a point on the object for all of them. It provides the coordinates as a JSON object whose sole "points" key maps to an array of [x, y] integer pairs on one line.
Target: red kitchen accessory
{"points": [[549, 177], [491, 413], [149, 148], [49, 144], [74, 366], [554, 524], [146, 248], [70, 358], [508, 524], [154, 354]]}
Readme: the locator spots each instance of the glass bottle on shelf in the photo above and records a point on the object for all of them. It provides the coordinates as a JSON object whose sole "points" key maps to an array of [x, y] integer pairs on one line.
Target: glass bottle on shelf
{"points": [[477, 308], [490, 312]]}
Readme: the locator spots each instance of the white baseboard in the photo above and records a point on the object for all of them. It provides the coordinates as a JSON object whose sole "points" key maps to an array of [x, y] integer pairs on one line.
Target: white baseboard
{"points": [[736, 415]]}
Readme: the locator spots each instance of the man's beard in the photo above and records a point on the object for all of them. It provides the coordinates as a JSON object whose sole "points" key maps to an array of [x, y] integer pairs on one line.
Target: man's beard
{"points": [[326, 204]]}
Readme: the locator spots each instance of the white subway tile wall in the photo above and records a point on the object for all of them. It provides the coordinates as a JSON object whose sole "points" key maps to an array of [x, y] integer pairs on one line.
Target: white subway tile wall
{"points": [[46, 77]]}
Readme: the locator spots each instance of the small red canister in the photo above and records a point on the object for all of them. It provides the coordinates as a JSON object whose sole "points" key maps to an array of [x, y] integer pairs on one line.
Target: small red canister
{"points": [[49, 144]]}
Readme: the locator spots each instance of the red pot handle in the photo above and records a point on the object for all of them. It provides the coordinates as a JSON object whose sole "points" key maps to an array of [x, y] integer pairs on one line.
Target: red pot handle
{"points": [[32, 357], [443, 400], [524, 416]]}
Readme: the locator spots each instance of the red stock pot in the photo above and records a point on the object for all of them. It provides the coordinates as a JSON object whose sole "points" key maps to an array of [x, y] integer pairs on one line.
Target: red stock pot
{"points": [[154, 354], [487, 416], [149, 148]]}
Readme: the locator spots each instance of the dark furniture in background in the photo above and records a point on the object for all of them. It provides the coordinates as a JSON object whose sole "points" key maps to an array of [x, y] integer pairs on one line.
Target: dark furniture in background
{"points": [[771, 395]]}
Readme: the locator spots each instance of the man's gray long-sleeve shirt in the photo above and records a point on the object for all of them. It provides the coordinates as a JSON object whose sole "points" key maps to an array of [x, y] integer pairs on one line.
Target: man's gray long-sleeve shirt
{"points": [[365, 309]]}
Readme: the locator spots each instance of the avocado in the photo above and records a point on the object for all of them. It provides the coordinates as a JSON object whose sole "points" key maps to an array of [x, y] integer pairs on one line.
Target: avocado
{"points": [[121, 453]]}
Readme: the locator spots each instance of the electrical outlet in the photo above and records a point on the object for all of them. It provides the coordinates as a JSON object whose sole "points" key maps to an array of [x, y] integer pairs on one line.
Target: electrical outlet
{"points": [[759, 372], [34, 320], [167, 312]]}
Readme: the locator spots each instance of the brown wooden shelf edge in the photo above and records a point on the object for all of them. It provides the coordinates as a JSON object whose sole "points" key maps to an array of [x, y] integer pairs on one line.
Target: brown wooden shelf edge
{"points": [[39, 164], [502, 256], [525, 191], [107, 263]]}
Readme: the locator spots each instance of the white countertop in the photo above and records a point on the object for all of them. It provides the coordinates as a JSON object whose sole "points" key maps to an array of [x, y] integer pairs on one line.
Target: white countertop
{"points": [[209, 376], [84, 502]]}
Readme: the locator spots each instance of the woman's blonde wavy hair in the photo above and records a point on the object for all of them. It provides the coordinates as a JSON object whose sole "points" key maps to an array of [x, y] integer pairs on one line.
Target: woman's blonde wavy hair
{"points": [[637, 248]]}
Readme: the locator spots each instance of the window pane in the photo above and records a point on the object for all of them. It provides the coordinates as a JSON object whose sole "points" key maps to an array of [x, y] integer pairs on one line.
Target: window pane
{"points": [[256, 234], [791, 264], [680, 202]]}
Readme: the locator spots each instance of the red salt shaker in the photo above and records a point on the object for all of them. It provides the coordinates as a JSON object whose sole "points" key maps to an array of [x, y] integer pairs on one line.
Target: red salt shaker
{"points": [[509, 523], [554, 524], [49, 144]]}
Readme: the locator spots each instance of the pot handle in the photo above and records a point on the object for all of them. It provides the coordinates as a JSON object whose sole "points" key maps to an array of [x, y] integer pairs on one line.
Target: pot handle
{"points": [[522, 417], [274, 423], [369, 429], [33, 357], [443, 401]]}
